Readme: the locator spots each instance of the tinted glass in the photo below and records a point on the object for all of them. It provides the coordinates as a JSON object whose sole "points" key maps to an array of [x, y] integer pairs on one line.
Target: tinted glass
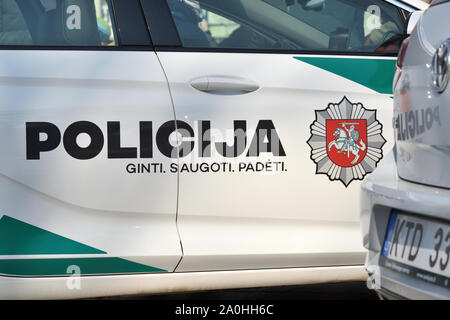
{"points": [[56, 23], [310, 25]]}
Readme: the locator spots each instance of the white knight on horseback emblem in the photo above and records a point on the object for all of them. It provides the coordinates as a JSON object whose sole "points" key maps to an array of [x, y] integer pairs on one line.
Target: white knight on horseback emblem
{"points": [[347, 141]]}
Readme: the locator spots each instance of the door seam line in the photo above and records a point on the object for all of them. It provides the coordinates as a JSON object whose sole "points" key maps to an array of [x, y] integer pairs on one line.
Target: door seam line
{"points": [[178, 163]]}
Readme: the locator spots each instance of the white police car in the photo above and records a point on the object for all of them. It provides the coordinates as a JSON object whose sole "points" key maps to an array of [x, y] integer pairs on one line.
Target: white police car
{"points": [[145, 142], [404, 216]]}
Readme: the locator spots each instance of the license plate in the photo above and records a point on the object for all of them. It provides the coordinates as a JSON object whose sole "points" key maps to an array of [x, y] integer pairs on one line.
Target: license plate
{"points": [[417, 247]]}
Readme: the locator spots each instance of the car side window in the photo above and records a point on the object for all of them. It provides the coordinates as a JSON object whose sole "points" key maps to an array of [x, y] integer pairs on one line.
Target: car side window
{"points": [[309, 25], [56, 23]]}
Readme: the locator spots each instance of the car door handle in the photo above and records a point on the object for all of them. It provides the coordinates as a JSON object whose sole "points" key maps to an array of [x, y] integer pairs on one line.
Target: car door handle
{"points": [[224, 85]]}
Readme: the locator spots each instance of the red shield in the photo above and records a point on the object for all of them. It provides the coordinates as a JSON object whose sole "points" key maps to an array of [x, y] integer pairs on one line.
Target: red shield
{"points": [[346, 141]]}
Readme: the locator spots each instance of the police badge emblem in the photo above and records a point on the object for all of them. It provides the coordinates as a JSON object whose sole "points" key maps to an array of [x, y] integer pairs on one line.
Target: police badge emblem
{"points": [[346, 141]]}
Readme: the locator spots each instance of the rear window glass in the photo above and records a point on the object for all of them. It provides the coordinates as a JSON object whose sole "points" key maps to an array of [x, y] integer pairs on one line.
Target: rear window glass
{"points": [[56, 23]]}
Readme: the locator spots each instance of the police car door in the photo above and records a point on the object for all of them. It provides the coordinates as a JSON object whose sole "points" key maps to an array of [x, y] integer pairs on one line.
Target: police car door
{"points": [[283, 107], [80, 107]]}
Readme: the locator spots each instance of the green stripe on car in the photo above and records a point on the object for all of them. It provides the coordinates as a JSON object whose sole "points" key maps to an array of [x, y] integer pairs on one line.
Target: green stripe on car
{"points": [[59, 267], [375, 74], [20, 238]]}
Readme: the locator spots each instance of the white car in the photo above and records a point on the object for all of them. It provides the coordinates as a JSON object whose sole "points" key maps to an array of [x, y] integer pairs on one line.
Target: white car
{"points": [[405, 203], [168, 145]]}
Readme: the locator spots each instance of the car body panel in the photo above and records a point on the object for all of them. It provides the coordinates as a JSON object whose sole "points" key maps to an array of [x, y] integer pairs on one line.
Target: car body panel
{"points": [[93, 201], [62, 217], [256, 204], [165, 283], [381, 192], [411, 177], [424, 144]]}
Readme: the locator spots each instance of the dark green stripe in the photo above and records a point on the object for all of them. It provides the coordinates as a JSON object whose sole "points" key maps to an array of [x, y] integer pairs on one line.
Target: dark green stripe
{"points": [[376, 74], [20, 238], [58, 267]]}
